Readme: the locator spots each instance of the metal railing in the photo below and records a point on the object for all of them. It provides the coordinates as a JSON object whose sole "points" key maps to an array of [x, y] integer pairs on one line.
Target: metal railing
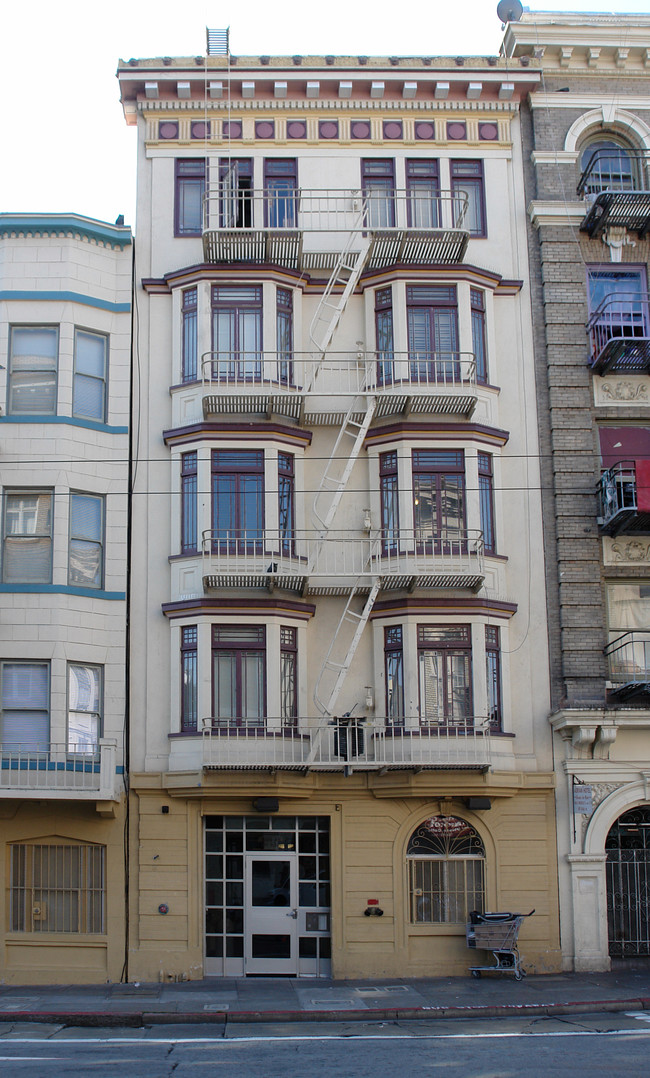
{"points": [[619, 333], [57, 770], [614, 170], [323, 210], [366, 744], [339, 373], [300, 555], [629, 658], [617, 491]]}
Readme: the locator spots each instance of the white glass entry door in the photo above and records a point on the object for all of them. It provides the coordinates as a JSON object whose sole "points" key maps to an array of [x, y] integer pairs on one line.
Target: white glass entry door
{"points": [[271, 901]]}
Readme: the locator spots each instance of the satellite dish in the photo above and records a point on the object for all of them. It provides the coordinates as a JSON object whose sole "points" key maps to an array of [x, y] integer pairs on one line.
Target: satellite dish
{"points": [[510, 10]]}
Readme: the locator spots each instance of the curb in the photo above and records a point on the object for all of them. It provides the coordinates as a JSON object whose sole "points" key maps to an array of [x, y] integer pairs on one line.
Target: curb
{"points": [[135, 1019]]}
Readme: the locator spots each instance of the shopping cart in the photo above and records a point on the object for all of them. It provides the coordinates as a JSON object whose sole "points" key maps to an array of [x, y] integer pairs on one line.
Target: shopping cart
{"points": [[497, 932]]}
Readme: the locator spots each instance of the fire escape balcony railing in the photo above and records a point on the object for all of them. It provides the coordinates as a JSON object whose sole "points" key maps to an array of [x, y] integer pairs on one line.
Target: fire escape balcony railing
{"points": [[309, 563], [346, 744], [58, 771], [624, 498], [628, 657], [306, 229], [310, 388], [619, 334], [616, 186]]}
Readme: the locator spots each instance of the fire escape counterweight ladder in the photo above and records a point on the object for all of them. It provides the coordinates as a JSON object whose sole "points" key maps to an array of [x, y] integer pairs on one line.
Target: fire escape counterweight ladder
{"points": [[340, 669]]}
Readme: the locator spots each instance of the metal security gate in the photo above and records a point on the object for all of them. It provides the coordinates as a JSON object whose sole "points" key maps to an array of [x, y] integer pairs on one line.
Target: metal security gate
{"points": [[628, 884]]}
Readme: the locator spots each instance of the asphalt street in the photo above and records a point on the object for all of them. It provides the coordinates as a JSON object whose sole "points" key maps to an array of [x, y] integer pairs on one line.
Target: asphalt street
{"points": [[602, 1044]]}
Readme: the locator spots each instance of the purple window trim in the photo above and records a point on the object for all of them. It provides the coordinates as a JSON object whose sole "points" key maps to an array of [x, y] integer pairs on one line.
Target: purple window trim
{"points": [[493, 675], [389, 499], [378, 184], [479, 334], [189, 188], [486, 501], [394, 671], [189, 681], [238, 648], [468, 176], [423, 192], [449, 642], [189, 490], [280, 188], [288, 676], [189, 312]]}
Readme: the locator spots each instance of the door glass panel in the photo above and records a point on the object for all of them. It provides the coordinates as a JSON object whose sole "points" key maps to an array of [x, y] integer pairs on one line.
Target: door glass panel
{"points": [[271, 946], [270, 883]]}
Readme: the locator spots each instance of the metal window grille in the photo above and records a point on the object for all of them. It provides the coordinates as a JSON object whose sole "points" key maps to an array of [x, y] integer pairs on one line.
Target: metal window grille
{"points": [[57, 889]]}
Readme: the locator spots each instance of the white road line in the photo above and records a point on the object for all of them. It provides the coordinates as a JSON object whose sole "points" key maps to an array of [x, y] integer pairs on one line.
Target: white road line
{"points": [[289, 1038]]}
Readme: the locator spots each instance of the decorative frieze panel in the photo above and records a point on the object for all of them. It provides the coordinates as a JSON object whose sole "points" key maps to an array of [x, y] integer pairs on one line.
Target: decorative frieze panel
{"points": [[622, 390], [626, 550]]}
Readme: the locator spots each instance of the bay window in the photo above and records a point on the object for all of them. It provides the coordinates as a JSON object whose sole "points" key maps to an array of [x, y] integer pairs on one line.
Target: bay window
{"points": [[439, 500], [27, 540], [445, 675], [90, 374], [189, 488], [237, 332], [237, 499], [394, 673], [84, 708], [25, 700], [432, 327], [86, 546], [238, 675], [189, 341]]}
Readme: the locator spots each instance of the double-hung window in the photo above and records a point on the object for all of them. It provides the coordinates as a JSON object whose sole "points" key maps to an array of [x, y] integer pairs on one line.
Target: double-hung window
{"points": [[394, 673], [236, 184], [286, 503], [439, 501], [239, 675], [190, 189], [445, 675], [189, 487], [384, 335], [189, 679], [280, 186], [493, 677], [189, 339], [467, 183], [237, 333], [86, 548], [33, 355], [25, 697], [56, 888], [423, 193], [486, 501], [432, 327], [378, 184], [284, 335], [479, 338], [27, 540], [90, 374], [288, 675], [389, 501], [85, 691], [237, 499]]}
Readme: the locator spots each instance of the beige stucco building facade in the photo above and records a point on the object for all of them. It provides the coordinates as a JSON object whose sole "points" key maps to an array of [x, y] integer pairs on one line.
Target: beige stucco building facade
{"points": [[65, 300], [339, 666]]}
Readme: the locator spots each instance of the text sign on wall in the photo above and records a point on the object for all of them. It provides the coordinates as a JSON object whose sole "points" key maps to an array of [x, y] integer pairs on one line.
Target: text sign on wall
{"points": [[583, 800]]}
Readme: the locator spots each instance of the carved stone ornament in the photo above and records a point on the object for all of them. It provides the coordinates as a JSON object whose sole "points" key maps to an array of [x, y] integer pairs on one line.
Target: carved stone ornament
{"points": [[616, 239], [599, 791], [624, 391], [631, 550]]}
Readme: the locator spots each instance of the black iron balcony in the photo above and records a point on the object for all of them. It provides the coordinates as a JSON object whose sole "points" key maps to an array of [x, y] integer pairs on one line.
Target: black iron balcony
{"points": [[619, 334], [617, 188], [624, 496], [628, 656], [308, 229]]}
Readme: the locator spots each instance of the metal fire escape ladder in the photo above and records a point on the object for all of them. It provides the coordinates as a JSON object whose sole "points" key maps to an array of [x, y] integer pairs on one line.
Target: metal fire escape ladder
{"points": [[346, 273], [340, 669]]}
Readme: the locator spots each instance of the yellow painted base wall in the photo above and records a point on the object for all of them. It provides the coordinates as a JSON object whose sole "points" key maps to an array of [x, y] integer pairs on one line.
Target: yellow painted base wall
{"points": [[371, 823], [62, 958]]}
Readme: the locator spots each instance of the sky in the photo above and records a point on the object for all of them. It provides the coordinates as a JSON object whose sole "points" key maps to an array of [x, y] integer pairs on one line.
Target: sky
{"points": [[67, 148]]}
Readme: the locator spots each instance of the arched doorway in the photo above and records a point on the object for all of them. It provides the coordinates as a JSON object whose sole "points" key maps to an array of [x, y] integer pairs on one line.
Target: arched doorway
{"points": [[628, 884]]}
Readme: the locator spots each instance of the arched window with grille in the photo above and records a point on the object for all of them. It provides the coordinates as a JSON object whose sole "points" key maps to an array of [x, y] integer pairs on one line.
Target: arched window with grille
{"points": [[446, 866], [608, 165]]}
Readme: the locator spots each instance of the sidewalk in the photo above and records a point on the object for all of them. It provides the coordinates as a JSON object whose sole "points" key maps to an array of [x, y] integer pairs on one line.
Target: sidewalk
{"points": [[288, 1000]]}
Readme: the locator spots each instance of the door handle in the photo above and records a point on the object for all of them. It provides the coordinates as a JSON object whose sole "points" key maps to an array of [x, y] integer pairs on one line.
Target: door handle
{"points": [[293, 913]]}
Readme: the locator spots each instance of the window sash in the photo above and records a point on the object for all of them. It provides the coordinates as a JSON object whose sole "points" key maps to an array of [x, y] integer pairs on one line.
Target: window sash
{"points": [[27, 549], [445, 687], [189, 337], [85, 685], [33, 361], [467, 179], [25, 702], [90, 368], [190, 188], [85, 554]]}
